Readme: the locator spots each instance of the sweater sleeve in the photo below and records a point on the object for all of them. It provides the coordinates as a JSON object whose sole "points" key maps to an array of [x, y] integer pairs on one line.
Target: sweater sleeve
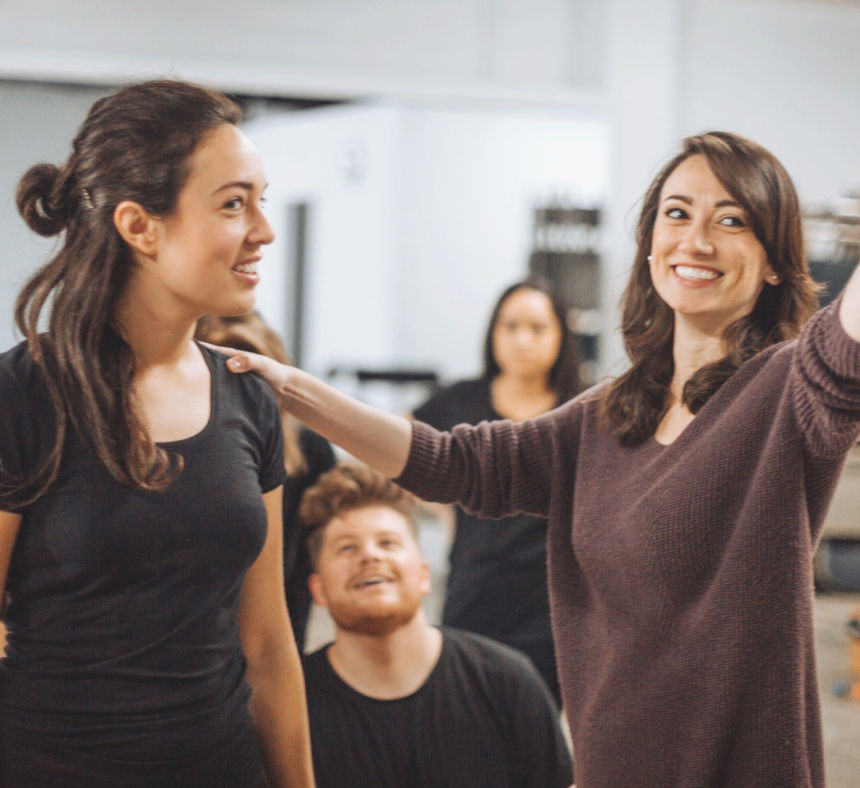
{"points": [[493, 469], [825, 385]]}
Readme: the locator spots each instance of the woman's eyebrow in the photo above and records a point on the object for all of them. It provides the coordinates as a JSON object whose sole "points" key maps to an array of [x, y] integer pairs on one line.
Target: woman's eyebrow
{"points": [[239, 184], [689, 201]]}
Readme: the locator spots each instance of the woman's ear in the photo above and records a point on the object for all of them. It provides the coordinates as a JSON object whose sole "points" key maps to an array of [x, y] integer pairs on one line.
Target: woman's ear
{"points": [[138, 228]]}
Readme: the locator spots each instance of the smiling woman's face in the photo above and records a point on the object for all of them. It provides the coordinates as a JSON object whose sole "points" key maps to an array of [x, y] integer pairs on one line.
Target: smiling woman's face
{"points": [[706, 262], [209, 248]]}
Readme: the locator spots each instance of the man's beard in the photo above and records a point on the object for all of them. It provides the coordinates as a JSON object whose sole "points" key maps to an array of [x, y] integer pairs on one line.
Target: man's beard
{"points": [[353, 619]]}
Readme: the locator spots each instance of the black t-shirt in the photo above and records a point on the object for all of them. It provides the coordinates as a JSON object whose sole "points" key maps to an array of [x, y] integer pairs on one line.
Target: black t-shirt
{"points": [[483, 719], [497, 583], [297, 564], [123, 617]]}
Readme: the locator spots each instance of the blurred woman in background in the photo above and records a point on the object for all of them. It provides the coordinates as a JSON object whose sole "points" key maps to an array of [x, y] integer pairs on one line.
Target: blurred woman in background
{"points": [[306, 457], [497, 584]]}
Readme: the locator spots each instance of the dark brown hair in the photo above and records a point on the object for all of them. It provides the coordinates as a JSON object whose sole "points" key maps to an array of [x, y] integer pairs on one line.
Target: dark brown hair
{"points": [[133, 145], [345, 488], [564, 375], [251, 333], [636, 402]]}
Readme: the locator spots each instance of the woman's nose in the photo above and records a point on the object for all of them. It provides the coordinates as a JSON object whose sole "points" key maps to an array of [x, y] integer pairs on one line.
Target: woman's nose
{"points": [[697, 240], [263, 232]]}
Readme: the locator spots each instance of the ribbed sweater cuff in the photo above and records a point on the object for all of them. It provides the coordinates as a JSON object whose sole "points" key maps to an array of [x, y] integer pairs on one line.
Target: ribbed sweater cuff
{"points": [[840, 351]]}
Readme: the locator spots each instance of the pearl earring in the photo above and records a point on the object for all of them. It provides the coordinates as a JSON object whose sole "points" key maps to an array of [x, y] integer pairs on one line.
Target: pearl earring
{"points": [[650, 259], [774, 277]]}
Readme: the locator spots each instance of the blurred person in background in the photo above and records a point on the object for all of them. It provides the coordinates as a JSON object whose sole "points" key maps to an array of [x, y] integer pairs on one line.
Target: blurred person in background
{"points": [[395, 702], [149, 644], [497, 582], [685, 497], [306, 456]]}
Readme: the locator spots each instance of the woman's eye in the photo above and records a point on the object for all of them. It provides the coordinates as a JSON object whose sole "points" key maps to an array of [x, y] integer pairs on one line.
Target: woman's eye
{"points": [[676, 213], [234, 204], [732, 221]]}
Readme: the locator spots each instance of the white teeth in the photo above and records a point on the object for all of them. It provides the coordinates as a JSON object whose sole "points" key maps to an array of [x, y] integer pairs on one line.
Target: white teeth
{"points": [[246, 268], [689, 272], [370, 581]]}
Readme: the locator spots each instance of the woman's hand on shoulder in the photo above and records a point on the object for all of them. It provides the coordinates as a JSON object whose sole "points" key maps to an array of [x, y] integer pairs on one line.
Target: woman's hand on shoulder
{"points": [[277, 375]]}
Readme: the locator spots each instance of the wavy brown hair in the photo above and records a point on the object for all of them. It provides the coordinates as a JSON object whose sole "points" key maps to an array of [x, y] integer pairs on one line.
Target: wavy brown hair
{"points": [[133, 145], [636, 402], [251, 333]]}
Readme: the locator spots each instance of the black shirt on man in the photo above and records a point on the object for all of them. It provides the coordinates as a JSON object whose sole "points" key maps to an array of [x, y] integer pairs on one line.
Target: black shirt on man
{"points": [[483, 719]]}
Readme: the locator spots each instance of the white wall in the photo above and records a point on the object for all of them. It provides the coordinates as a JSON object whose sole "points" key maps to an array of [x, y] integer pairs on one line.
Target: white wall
{"points": [[314, 45], [407, 261]]}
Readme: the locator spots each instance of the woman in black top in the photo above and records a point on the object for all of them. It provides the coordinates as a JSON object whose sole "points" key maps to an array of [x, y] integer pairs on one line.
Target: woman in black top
{"points": [[306, 457], [497, 583], [140, 487]]}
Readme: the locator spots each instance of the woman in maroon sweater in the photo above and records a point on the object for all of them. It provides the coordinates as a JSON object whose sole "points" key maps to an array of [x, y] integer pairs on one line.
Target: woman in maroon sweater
{"points": [[685, 498]]}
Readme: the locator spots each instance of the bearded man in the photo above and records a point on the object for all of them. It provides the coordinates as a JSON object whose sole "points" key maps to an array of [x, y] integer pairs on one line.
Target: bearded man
{"points": [[394, 701]]}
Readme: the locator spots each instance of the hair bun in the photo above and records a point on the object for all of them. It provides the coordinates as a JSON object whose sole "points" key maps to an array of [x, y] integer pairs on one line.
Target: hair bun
{"points": [[37, 200]]}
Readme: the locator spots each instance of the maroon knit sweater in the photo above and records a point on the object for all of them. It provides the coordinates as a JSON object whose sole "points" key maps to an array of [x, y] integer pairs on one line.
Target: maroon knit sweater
{"points": [[680, 576]]}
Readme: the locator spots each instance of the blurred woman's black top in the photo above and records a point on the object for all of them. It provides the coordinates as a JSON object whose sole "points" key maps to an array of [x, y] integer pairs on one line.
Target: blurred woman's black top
{"points": [[497, 581], [123, 622], [297, 565]]}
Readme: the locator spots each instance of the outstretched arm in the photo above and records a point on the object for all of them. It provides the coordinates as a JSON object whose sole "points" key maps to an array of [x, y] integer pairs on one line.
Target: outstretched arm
{"points": [[849, 311], [372, 436], [493, 470]]}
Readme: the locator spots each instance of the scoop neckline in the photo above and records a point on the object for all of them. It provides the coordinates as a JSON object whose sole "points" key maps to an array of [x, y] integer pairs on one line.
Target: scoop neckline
{"points": [[402, 698], [213, 405]]}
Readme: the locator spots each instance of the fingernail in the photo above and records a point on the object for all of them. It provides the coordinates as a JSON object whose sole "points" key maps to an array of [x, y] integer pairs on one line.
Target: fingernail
{"points": [[234, 363]]}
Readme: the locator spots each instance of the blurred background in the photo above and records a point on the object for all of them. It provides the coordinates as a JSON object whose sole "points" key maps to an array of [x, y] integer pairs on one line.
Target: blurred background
{"points": [[423, 154]]}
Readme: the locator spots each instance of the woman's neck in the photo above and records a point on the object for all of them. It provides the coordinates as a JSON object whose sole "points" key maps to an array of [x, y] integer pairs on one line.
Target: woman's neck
{"points": [[519, 398], [695, 346], [159, 333]]}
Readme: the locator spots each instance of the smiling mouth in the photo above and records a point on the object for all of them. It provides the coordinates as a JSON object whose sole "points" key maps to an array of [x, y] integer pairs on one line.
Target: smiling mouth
{"points": [[246, 268], [374, 580], [696, 274]]}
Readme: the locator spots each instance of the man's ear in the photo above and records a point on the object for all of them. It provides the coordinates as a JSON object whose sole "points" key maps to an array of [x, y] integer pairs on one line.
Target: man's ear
{"points": [[138, 228], [316, 587], [426, 584]]}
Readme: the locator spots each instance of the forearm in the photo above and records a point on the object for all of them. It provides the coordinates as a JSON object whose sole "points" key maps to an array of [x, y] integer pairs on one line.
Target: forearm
{"points": [[849, 311], [280, 716], [377, 438]]}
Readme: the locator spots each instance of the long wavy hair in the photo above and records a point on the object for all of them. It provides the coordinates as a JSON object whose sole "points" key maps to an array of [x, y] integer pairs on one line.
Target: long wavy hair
{"points": [[564, 375], [133, 145], [636, 402], [251, 333]]}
